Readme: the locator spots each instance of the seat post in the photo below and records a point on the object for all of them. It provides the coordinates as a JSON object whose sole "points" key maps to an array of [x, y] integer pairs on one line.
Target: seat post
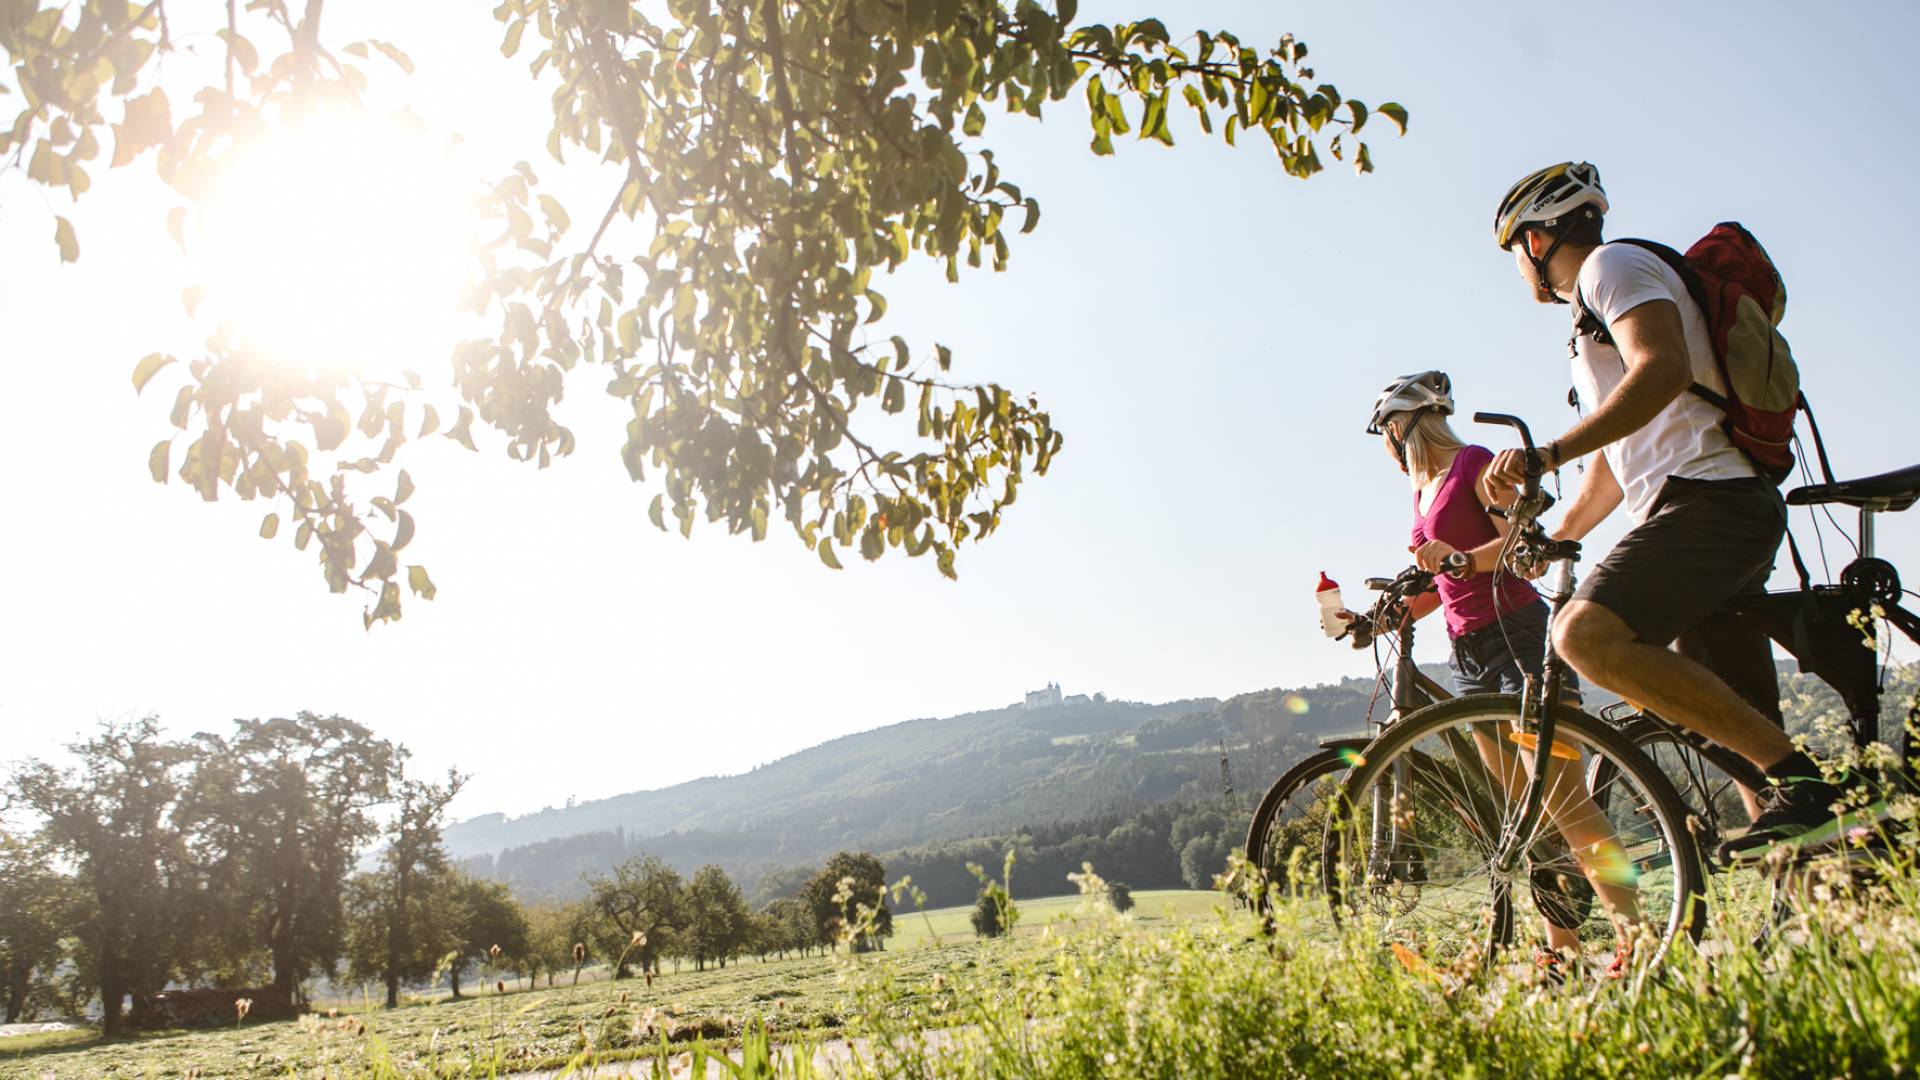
{"points": [[1866, 533]]}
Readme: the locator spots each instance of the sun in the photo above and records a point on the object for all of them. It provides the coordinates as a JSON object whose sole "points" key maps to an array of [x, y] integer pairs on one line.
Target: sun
{"points": [[339, 244]]}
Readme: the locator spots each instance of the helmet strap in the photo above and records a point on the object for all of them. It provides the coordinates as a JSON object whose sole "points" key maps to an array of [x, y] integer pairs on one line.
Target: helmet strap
{"points": [[1540, 264], [1399, 448]]}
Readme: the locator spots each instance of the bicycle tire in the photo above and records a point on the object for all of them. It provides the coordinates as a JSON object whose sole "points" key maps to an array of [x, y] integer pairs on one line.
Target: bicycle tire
{"points": [[1706, 779], [1278, 807], [1443, 767]]}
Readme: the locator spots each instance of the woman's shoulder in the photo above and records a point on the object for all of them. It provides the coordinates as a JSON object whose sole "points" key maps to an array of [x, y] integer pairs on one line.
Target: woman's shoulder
{"points": [[1474, 457]]}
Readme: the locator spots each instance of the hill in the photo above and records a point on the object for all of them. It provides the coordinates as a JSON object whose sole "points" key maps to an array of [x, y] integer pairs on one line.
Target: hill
{"points": [[896, 787]]}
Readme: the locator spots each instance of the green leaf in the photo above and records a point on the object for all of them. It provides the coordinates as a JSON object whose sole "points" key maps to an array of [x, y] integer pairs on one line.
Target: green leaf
{"points": [[403, 531], [404, 489], [420, 583], [1358, 110], [1033, 216], [825, 550], [148, 366], [63, 236], [429, 423], [895, 397], [976, 120], [511, 44], [655, 512], [157, 460], [556, 214], [269, 526], [1395, 112]]}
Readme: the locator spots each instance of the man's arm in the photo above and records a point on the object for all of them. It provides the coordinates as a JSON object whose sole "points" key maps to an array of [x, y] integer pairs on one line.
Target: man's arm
{"points": [[1599, 495], [1659, 369]]}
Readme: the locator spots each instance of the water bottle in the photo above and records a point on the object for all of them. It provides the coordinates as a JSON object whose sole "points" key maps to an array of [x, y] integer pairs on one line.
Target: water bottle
{"points": [[1328, 594]]}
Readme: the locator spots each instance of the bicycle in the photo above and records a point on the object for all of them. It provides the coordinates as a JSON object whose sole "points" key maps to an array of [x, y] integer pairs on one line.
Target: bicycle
{"points": [[1465, 785]]}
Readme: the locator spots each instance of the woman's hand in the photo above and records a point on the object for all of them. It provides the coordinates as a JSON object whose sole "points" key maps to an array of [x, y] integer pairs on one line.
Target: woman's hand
{"points": [[1432, 556]]}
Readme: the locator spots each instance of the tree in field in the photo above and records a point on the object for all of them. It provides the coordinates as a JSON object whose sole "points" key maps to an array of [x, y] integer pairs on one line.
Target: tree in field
{"points": [[113, 818], [718, 922], [489, 927], [1203, 857], [790, 927], [279, 811], [986, 913], [1120, 896], [851, 884], [393, 935], [780, 155], [640, 910], [550, 938], [39, 909]]}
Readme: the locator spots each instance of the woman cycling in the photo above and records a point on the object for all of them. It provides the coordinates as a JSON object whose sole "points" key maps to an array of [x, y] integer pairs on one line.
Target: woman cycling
{"points": [[1498, 627]]}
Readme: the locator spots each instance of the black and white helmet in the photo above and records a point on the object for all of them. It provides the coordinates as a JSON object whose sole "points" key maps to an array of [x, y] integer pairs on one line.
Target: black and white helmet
{"points": [[1411, 393]]}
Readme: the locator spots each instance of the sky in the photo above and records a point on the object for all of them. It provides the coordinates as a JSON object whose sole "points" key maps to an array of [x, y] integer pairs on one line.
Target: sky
{"points": [[1208, 332]]}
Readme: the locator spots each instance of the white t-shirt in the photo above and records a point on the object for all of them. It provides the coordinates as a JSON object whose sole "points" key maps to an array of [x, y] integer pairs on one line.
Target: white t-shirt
{"points": [[1685, 438]]}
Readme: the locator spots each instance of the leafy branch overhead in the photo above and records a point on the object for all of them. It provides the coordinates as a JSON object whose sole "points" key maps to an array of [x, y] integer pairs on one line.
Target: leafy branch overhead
{"points": [[779, 154]]}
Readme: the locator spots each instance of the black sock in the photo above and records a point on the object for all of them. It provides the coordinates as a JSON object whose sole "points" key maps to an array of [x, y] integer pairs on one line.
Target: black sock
{"points": [[1795, 766]]}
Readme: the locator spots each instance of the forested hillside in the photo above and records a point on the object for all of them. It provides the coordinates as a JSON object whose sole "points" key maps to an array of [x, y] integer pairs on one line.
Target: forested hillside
{"points": [[1135, 789], [894, 787]]}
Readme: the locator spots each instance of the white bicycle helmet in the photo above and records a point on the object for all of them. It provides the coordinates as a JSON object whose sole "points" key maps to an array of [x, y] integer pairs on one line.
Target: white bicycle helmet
{"points": [[1411, 393], [1548, 198]]}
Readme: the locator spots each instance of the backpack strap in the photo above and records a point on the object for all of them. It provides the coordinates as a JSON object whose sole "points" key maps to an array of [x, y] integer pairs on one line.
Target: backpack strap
{"points": [[1589, 322]]}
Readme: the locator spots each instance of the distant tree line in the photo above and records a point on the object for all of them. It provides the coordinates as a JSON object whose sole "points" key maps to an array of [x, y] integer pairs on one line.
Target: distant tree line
{"points": [[230, 861]]}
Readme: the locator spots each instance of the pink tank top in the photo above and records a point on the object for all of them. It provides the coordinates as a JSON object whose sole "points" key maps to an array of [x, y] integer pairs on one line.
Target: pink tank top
{"points": [[1457, 519]]}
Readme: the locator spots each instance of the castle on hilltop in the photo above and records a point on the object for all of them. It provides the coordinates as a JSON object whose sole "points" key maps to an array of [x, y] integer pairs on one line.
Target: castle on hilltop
{"points": [[1049, 696]]}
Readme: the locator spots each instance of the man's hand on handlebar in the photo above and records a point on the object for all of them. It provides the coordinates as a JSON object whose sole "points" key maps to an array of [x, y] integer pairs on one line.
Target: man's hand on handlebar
{"points": [[1510, 467]]}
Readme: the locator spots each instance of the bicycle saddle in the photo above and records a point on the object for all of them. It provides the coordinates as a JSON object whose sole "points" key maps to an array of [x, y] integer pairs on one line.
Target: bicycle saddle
{"points": [[1891, 491]]}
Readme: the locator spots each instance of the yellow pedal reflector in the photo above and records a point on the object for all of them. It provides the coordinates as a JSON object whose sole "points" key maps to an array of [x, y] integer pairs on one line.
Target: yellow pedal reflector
{"points": [[1530, 742]]}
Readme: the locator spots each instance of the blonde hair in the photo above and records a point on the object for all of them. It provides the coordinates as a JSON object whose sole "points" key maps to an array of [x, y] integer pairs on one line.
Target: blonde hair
{"points": [[1430, 443]]}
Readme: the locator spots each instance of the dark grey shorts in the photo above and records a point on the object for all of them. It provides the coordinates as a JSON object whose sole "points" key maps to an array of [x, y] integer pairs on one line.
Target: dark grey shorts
{"points": [[1497, 659], [1671, 578]]}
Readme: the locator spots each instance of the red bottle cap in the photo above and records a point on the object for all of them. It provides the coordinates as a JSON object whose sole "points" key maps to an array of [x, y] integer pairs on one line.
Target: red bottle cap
{"points": [[1325, 583]]}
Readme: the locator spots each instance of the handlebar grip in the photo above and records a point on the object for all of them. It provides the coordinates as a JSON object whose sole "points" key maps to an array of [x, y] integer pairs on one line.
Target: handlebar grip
{"points": [[1458, 565], [1514, 422]]}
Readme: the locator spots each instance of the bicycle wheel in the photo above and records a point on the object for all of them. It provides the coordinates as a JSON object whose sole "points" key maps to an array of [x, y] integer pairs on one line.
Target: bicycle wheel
{"points": [[1445, 784], [1711, 795], [1289, 826]]}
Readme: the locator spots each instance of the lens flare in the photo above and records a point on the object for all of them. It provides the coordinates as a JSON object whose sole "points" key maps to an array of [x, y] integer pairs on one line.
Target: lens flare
{"points": [[1609, 862], [1353, 758], [1295, 704], [341, 242]]}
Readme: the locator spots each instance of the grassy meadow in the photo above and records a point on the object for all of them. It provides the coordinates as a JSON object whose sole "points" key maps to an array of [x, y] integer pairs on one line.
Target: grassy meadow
{"points": [[494, 1034], [1185, 986]]}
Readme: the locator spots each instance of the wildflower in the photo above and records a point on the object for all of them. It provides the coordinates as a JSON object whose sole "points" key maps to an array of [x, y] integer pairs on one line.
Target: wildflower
{"points": [[493, 952], [240, 1008], [639, 939]]}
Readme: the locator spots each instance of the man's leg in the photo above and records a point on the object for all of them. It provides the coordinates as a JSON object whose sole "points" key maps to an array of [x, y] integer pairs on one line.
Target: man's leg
{"points": [[1604, 649], [1738, 650]]}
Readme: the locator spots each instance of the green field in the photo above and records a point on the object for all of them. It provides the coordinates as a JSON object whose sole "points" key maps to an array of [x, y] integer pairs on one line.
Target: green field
{"points": [[543, 1028], [952, 924]]}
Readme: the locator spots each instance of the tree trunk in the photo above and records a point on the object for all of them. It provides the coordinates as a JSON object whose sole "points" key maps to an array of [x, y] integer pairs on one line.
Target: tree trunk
{"points": [[113, 989], [453, 979], [396, 931]]}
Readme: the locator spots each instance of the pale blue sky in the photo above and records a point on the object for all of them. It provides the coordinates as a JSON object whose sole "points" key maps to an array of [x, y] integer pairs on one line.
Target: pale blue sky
{"points": [[1208, 333]]}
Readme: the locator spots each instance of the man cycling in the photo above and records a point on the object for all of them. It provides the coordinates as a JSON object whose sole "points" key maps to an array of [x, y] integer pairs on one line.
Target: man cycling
{"points": [[1706, 524]]}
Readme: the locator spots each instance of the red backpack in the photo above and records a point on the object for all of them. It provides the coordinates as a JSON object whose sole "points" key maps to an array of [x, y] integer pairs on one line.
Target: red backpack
{"points": [[1739, 291]]}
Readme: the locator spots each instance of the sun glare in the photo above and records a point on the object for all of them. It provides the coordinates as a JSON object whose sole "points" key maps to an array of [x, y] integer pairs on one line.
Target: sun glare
{"points": [[339, 244]]}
